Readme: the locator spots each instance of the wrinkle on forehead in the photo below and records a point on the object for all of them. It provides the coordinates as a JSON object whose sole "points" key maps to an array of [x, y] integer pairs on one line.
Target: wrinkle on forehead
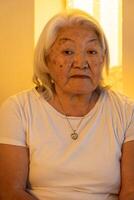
{"points": [[65, 39], [93, 42], [66, 34], [70, 35], [75, 27]]}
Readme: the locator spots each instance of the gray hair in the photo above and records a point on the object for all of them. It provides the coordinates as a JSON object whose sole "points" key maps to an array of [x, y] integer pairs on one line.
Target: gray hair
{"points": [[41, 76]]}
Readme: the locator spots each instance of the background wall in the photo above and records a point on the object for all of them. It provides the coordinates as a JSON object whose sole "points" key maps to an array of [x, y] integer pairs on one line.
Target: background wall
{"points": [[16, 46], [21, 22], [128, 47], [44, 10], [19, 19]]}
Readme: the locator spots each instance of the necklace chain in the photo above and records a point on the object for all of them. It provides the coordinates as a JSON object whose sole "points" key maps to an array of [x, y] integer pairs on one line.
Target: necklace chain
{"points": [[74, 134]]}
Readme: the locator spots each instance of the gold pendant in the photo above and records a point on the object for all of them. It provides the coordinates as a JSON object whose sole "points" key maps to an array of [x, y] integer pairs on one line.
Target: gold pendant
{"points": [[74, 135]]}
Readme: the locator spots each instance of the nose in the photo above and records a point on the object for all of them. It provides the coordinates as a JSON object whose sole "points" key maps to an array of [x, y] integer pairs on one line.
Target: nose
{"points": [[80, 61]]}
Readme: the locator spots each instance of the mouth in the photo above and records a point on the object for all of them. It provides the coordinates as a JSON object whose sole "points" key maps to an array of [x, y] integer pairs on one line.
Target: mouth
{"points": [[80, 76]]}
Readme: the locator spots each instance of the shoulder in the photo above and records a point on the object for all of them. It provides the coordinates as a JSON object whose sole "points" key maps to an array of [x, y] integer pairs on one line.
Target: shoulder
{"points": [[118, 99], [120, 106], [21, 98], [20, 102], [120, 110]]}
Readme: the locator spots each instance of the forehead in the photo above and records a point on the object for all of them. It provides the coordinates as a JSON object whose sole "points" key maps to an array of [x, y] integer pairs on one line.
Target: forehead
{"points": [[76, 33]]}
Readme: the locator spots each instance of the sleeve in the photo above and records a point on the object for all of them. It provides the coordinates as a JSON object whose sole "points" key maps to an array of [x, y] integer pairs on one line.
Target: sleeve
{"points": [[129, 135], [12, 129]]}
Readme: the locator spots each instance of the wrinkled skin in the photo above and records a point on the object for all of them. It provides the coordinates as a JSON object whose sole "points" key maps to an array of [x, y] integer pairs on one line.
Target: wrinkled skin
{"points": [[74, 47]]}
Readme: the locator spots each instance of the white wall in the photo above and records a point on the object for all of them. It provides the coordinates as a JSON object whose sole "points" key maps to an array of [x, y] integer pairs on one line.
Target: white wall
{"points": [[44, 10]]}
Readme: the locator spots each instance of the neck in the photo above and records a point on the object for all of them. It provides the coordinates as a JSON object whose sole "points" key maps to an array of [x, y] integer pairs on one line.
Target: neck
{"points": [[74, 105]]}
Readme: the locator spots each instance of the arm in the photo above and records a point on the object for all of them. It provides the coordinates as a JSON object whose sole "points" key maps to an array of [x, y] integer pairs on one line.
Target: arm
{"points": [[13, 173], [127, 172]]}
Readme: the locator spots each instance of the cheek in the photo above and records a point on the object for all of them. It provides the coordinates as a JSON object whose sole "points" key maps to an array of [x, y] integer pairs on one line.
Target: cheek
{"points": [[58, 61], [58, 68], [53, 61], [97, 64], [96, 69]]}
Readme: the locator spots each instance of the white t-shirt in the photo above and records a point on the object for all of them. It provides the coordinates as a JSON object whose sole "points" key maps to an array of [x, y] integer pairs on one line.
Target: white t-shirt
{"points": [[61, 168]]}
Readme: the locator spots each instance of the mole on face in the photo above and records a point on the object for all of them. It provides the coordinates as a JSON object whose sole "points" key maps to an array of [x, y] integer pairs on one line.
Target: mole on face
{"points": [[61, 66]]}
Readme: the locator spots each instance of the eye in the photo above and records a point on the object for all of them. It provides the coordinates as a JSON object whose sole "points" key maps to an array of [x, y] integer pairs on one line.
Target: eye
{"points": [[92, 52], [68, 52]]}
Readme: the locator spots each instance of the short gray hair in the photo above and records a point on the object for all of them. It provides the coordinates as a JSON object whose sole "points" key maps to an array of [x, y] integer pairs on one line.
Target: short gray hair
{"points": [[41, 76]]}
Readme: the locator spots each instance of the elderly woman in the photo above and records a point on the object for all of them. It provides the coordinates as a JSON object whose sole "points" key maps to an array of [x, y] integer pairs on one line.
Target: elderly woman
{"points": [[70, 138]]}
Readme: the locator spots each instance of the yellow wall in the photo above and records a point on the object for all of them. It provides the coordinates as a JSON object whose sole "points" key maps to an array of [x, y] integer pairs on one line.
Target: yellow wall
{"points": [[16, 46], [128, 47], [21, 21], [18, 19]]}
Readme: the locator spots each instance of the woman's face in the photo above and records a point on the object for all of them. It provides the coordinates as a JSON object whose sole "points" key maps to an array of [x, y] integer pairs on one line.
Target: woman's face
{"points": [[74, 48]]}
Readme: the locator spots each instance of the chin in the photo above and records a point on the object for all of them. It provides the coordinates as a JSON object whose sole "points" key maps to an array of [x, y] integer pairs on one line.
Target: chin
{"points": [[81, 91]]}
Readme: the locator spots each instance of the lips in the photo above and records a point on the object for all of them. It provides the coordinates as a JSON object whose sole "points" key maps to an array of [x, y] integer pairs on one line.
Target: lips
{"points": [[79, 76]]}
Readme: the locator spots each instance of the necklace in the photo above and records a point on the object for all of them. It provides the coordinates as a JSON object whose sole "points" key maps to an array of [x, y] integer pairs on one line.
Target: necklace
{"points": [[74, 134]]}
